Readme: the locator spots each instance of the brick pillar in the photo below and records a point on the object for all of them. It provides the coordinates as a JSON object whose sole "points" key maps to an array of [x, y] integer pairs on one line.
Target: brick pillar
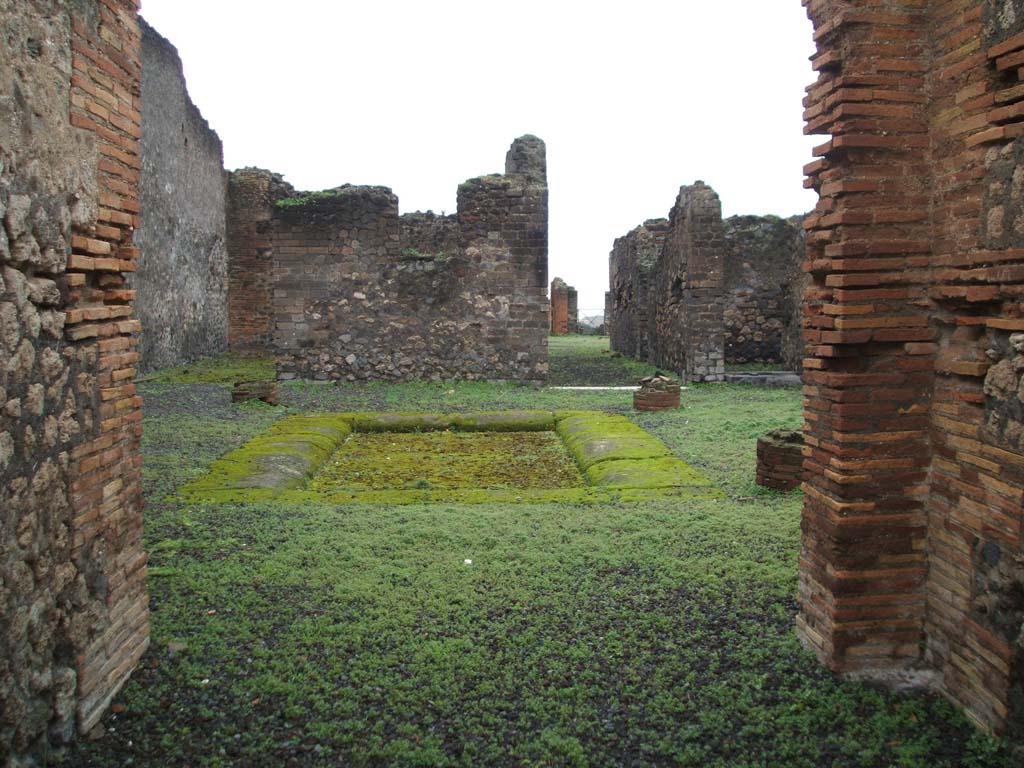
{"points": [[704, 285], [252, 194], [559, 307], [71, 561], [688, 335], [975, 610], [868, 377]]}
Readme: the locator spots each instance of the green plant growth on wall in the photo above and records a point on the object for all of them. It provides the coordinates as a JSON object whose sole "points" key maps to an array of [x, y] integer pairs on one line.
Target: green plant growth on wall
{"points": [[308, 197]]}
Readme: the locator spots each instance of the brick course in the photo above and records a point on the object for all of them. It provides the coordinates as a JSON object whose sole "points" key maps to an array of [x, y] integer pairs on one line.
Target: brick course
{"points": [[251, 195], [780, 458], [912, 520], [72, 553]]}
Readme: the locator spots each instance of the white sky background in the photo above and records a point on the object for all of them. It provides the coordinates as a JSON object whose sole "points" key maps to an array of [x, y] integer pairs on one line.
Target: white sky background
{"points": [[633, 98]]}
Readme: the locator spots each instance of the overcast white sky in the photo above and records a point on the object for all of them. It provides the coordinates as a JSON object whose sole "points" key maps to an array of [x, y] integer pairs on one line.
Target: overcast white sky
{"points": [[633, 98]]}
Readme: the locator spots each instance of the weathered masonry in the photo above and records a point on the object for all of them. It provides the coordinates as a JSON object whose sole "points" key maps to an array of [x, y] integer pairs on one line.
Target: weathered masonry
{"points": [[688, 324], [73, 571], [736, 283], [252, 193], [763, 290], [564, 308], [912, 548], [358, 292], [629, 310], [182, 276]]}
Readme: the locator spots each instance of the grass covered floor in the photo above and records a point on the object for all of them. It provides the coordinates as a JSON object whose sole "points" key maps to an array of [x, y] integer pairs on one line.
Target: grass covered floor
{"points": [[384, 460], [658, 633]]}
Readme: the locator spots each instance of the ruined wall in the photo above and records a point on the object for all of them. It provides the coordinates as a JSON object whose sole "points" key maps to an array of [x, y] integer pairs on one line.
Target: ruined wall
{"points": [[912, 517], [793, 351], [564, 308], [251, 195], [763, 260], [361, 293], [688, 335], [759, 274], [429, 236], [73, 570], [182, 276], [630, 310]]}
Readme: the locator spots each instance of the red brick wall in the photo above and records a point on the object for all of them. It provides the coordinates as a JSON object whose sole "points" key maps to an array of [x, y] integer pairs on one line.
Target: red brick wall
{"points": [[105, 470], [559, 307], [914, 451], [252, 193], [977, 478]]}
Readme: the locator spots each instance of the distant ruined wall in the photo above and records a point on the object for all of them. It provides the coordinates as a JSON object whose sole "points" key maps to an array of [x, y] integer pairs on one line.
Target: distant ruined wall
{"points": [[689, 335], [763, 260], [758, 274], [182, 276], [362, 293], [573, 311], [73, 571], [251, 195], [630, 314]]}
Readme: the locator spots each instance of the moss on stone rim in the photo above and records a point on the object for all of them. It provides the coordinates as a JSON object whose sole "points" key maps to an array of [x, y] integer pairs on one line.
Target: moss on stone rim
{"points": [[619, 460]]}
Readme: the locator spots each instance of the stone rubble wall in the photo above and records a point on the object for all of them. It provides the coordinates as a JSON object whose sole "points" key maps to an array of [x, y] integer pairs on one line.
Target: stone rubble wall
{"points": [[912, 523], [73, 570], [182, 276], [424, 235], [793, 346], [762, 263], [362, 293], [629, 310], [762, 299]]}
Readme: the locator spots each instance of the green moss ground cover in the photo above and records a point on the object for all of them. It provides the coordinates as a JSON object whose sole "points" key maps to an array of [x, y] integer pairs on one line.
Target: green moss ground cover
{"points": [[445, 459], [415, 457], [607, 634]]}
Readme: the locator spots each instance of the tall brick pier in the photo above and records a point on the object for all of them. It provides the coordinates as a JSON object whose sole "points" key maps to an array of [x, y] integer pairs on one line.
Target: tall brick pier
{"points": [[914, 456]]}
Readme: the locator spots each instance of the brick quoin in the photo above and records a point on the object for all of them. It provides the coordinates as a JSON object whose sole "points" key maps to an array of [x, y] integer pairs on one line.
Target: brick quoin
{"points": [[913, 457], [106, 488], [70, 461]]}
